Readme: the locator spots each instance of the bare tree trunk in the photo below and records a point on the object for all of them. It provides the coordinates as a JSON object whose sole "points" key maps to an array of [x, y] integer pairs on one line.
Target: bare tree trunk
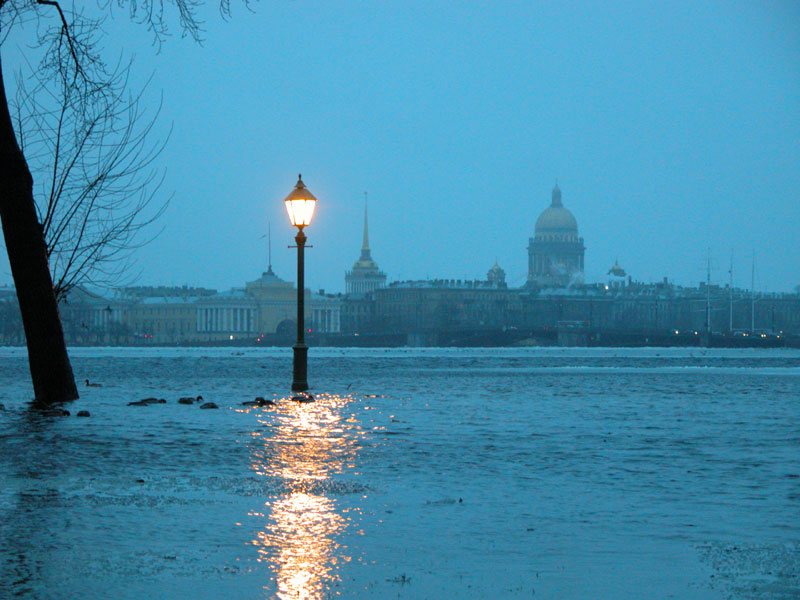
{"points": [[51, 371]]}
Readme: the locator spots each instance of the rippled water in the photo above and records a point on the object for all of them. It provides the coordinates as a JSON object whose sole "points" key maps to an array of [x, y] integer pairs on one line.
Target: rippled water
{"points": [[546, 473]]}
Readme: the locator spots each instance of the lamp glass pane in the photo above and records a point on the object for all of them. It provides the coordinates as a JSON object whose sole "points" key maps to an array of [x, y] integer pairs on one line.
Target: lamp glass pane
{"points": [[308, 211], [289, 209], [300, 211]]}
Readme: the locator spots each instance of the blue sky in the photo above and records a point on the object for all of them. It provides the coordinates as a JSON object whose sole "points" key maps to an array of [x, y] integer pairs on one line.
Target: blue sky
{"points": [[672, 128]]}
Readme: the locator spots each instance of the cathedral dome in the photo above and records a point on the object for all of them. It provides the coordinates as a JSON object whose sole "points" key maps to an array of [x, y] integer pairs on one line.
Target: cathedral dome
{"points": [[496, 274], [556, 218], [616, 270]]}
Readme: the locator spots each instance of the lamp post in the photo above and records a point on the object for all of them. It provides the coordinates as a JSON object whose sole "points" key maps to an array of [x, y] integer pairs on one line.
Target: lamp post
{"points": [[300, 204]]}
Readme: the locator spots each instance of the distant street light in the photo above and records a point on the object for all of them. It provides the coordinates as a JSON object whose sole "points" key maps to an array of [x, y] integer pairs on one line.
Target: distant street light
{"points": [[300, 204]]}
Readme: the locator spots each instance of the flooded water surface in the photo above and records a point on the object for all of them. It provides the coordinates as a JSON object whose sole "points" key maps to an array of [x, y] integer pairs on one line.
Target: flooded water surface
{"points": [[417, 473]]}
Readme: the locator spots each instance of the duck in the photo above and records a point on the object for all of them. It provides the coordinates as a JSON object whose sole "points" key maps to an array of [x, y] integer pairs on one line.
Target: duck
{"points": [[147, 402], [259, 401], [90, 384], [189, 400]]}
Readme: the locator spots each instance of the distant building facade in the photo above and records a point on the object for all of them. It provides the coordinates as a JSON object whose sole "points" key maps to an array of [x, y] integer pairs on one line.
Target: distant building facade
{"points": [[555, 252], [11, 331], [422, 313], [358, 313], [265, 309], [420, 308]]}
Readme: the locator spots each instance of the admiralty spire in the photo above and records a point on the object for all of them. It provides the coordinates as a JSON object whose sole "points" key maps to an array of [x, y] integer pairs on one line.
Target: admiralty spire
{"points": [[365, 275]]}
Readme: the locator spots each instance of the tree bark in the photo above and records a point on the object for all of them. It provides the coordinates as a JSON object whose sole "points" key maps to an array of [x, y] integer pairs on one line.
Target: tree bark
{"points": [[51, 371]]}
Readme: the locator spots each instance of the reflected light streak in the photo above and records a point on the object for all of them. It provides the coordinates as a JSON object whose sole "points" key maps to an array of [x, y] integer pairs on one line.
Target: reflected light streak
{"points": [[301, 446], [301, 545]]}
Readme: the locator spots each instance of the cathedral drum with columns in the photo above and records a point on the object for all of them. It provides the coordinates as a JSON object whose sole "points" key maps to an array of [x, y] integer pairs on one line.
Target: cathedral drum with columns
{"points": [[555, 253]]}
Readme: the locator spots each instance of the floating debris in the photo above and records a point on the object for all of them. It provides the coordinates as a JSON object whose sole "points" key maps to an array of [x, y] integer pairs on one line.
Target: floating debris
{"points": [[56, 412]]}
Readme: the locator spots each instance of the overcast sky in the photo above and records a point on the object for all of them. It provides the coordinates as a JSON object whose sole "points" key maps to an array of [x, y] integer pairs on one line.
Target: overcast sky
{"points": [[671, 127]]}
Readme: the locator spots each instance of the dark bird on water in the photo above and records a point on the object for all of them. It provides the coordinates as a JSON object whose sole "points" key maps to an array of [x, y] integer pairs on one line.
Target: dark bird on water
{"points": [[89, 384]]}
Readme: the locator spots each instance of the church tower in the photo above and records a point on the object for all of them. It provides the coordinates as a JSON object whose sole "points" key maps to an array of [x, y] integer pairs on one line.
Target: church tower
{"points": [[365, 275], [555, 253]]}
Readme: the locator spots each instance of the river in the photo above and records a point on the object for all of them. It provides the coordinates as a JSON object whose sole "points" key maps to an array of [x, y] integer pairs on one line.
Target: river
{"points": [[418, 473]]}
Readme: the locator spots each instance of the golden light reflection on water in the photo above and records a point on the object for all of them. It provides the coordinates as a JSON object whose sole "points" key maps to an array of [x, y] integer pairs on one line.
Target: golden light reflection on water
{"points": [[301, 446]]}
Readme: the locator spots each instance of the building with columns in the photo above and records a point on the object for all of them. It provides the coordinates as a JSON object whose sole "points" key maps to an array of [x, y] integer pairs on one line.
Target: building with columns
{"points": [[555, 252], [264, 307], [326, 312]]}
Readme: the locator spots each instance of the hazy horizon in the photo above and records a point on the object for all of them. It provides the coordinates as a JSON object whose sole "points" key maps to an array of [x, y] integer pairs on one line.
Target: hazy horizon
{"points": [[671, 129]]}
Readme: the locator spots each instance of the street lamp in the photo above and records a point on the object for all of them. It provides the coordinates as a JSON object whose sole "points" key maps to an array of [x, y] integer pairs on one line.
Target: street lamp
{"points": [[300, 204]]}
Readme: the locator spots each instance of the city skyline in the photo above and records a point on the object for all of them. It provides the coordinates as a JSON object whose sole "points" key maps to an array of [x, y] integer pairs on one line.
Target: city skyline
{"points": [[670, 130], [745, 274]]}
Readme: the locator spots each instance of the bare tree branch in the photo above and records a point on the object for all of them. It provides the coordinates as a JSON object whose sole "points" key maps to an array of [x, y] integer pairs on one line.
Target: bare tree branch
{"points": [[98, 185], [65, 29], [106, 195]]}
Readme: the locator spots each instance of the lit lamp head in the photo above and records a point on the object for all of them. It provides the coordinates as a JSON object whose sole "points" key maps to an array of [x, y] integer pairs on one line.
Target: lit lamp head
{"points": [[300, 204]]}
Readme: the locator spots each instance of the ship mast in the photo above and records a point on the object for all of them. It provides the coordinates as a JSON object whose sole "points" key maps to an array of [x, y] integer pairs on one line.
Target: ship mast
{"points": [[708, 297], [753, 294], [730, 296], [269, 247]]}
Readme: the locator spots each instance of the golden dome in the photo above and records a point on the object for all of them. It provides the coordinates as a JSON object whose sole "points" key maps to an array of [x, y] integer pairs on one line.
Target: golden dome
{"points": [[496, 274], [556, 218], [616, 270], [365, 263]]}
